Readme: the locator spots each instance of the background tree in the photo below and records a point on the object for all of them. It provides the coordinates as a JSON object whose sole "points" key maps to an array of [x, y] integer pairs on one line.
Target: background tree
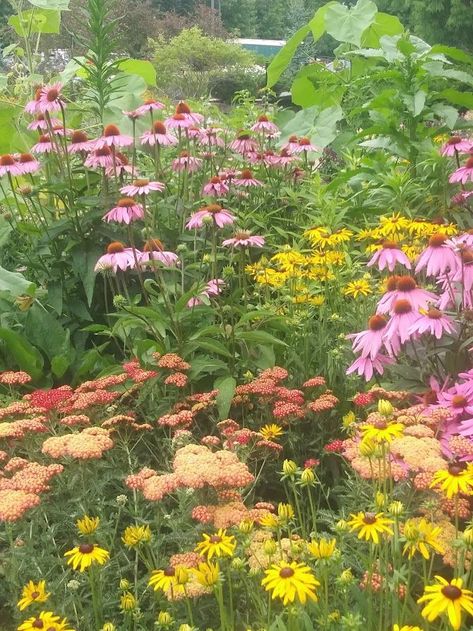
{"points": [[271, 18], [239, 17]]}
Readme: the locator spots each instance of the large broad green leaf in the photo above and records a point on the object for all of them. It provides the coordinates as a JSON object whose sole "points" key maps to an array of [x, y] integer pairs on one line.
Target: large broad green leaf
{"points": [[319, 125], [383, 24], [448, 113], [284, 57], [46, 332], [24, 354], [5, 230], [36, 21], [15, 284], [84, 258], [140, 67], [226, 389], [315, 85], [348, 24], [126, 97], [436, 69], [463, 99], [57, 5], [8, 114], [454, 53]]}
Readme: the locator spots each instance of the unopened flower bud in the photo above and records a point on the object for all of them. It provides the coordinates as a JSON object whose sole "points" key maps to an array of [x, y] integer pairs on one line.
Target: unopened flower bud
{"points": [[289, 467], [385, 407], [269, 547], [307, 477], [467, 536], [181, 248], [119, 301], [396, 508], [346, 577], [341, 525], [181, 575], [164, 618], [237, 564], [367, 448], [121, 500], [73, 585], [109, 626], [124, 584], [380, 500], [246, 526]]}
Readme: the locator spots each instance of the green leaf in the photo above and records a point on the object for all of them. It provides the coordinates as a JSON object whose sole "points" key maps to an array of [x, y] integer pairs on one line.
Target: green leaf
{"points": [[46, 332], [35, 21], [140, 67], [226, 389], [8, 115], [383, 24], [84, 258], [315, 85], [15, 284], [214, 346], [258, 337], [446, 112], [206, 366], [319, 125], [25, 355], [57, 5], [59, 365], [348, 24], [463, 99], [281, 61], [5, 230], [454, 53]]}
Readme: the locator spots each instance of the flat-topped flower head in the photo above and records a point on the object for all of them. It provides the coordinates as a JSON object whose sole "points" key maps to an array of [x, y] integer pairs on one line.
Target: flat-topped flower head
{"points": [[112, 137], [141, 186], [219, 544], [291, 582], [447, 598], [370, 526], [389, 255], [246, 179], [158, 136], [87, 554], [33, 593], [244, 239], [213, 213], [126, 211], [8, 165], [464, 173], [456, 144], [153, 250], [117, 257]]}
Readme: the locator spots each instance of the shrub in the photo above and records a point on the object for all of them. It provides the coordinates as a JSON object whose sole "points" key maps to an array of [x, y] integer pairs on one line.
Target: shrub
{"points": [[223, 85]]}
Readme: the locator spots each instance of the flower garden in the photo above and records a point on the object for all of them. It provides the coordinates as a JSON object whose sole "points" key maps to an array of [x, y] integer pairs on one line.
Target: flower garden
{"points": [[236, 377]]}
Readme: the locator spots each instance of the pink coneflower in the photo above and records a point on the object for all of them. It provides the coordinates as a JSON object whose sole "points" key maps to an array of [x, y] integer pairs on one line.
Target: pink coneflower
{"points": [[402, 318], [80, 142], [193, 132], [179, 121], [291, 144], [246, 179], [459, 399], [131, 114], [126, 211], [209, 136], [112, 137], [50, 99], [41, 124], [463, 174], [228, 175], [215, 287], [28, 164], [455, 145], [244, 239], [298, 174], [183, 108], [120, 167], [388, 256], [367, 367], [434, 322], [407, 289], [100, 158], [460, 198], [384, 305], [141, 187], [153, 250], [150, 105], [186, 162], [265, 126], [60, 130], [285, 157], [437, 258], [44, 145], [117, 257], [370, 342], [464, 272], [8, 164], [215, 187], [158, 136], [212, 213], [244, 144], [304, 146], [32, 107]]}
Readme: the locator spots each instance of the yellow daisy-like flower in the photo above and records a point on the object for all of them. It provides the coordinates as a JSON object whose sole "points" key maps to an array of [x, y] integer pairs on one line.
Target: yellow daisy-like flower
{"points": [[45, 620], [220, 544], [290, 582], [393, 226], [207, 574], [381, 432], [82, 557], [127, 601], [447, 598], [357, 288], [365, 234], [348, 419], [421, 536], [87, 525], [134, 535], [370, 525], [270, 277], [406, 627], [33, 593], [308, 299], [322, 549], [456, 479], [268, 521], [171, 578], [271, 431], [323, 238]]}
